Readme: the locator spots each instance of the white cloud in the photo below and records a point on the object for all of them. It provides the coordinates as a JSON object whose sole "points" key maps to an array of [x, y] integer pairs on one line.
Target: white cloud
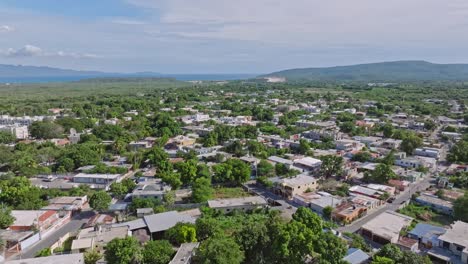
{"points": [[311, 22], [34, 51], [6, 28], [26, 51]]}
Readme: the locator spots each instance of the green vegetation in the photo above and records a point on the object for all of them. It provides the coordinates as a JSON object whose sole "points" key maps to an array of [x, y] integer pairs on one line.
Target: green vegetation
{"points": [[396, 71], [6, 219], [226, 192], [426, 215], [460, 208], [100, 201], [391, 253]]}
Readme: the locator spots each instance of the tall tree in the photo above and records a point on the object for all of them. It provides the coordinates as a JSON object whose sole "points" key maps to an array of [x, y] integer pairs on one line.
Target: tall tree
{"points": [[202, 190], [410, 143], [219, 250], [157, 252], [122, 251], [460, 208], [100, 201], [6, 219], [46, 130], [332, 165], [181, 233]]}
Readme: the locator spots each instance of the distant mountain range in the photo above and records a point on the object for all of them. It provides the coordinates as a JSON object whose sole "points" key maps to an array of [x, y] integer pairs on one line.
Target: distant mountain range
{"points": [[27, 74], [379, 72], [20, 71]]}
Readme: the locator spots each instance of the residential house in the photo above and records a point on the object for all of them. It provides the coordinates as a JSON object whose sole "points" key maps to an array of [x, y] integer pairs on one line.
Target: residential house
{"points": [[185, 253], [308, 164], [28, 220], [141, 212], [158, 223], [97, 180], [320, 134], [150, 189], [98, 236], [435, 203], [317, 205], [365, 201], [66, 258], [455, 241], [426, 234], [427, 152], [391, 143], [242, 204], [348, 212], [305, 198], [384, 188], [18, 131], [366, 191], [142, 144], [369, 141], [289, 187], [356, 256], [386, 227], [67, 203], [348, 145]]}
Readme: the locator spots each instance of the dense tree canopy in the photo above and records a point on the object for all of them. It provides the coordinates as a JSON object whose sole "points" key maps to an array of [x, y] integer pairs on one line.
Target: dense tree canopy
{"points": [[122, 251], [46, 130], [100, 201]]}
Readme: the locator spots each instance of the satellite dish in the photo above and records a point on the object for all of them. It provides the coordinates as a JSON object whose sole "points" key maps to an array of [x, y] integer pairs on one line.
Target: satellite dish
{"points": [[72, 131]]}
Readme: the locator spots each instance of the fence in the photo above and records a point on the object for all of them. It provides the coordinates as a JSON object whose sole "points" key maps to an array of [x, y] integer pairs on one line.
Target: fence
{"points": [[30, 241]]}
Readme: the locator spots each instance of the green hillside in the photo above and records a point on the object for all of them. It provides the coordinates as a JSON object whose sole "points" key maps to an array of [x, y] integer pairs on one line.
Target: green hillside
{"points": [[384, 71]]}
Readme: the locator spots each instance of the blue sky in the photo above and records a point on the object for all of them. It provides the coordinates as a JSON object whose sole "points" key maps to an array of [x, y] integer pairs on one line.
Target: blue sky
{"points": [[226, 36]]}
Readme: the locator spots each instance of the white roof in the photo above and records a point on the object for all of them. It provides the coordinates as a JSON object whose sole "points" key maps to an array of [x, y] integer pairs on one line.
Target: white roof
{"points": [[222, 203], [26, 217], [308, 161], [280, 160], [67, 258], [164, 221], [458, 234], [82, 243], [299, 180], [388, 224], [97, 176]]}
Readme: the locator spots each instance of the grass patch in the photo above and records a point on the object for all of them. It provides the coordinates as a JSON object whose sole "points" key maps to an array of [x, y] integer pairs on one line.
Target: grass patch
{"points": [[424, 214], [225, 193]]}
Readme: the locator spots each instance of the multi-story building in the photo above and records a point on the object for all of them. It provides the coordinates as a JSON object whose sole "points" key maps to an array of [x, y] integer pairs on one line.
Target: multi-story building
{"points": [[18, 131]]}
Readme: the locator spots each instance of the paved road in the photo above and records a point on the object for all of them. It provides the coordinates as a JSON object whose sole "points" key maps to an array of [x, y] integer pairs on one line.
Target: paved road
{"points": [[74, 225], [402, 197]]}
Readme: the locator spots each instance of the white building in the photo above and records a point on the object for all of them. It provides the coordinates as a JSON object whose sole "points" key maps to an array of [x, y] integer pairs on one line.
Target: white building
{"points": [[243, 204], [19, 131]]}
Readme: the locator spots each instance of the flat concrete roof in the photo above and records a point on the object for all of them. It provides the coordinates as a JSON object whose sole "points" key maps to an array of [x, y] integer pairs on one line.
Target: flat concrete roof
{"points": [[388, 224], [69, 259], [26, 217], [184, 253], [222, 203], [164, 221], [458, 234], [299, 180]]}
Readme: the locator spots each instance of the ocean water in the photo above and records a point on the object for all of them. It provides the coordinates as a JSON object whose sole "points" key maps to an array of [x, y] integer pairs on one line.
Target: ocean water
{"points": [[180, 77]]}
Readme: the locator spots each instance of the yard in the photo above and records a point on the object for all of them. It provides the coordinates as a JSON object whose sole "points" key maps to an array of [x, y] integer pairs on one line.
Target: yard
{"points": [[225, 193], [424, 214]]}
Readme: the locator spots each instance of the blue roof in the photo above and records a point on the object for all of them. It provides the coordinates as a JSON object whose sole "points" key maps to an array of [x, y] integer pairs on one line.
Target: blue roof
{"points": [[422, 230], [356, 256]]}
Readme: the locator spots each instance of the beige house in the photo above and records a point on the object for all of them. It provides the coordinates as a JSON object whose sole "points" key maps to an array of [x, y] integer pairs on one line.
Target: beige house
{"points": [[289, 187]]}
